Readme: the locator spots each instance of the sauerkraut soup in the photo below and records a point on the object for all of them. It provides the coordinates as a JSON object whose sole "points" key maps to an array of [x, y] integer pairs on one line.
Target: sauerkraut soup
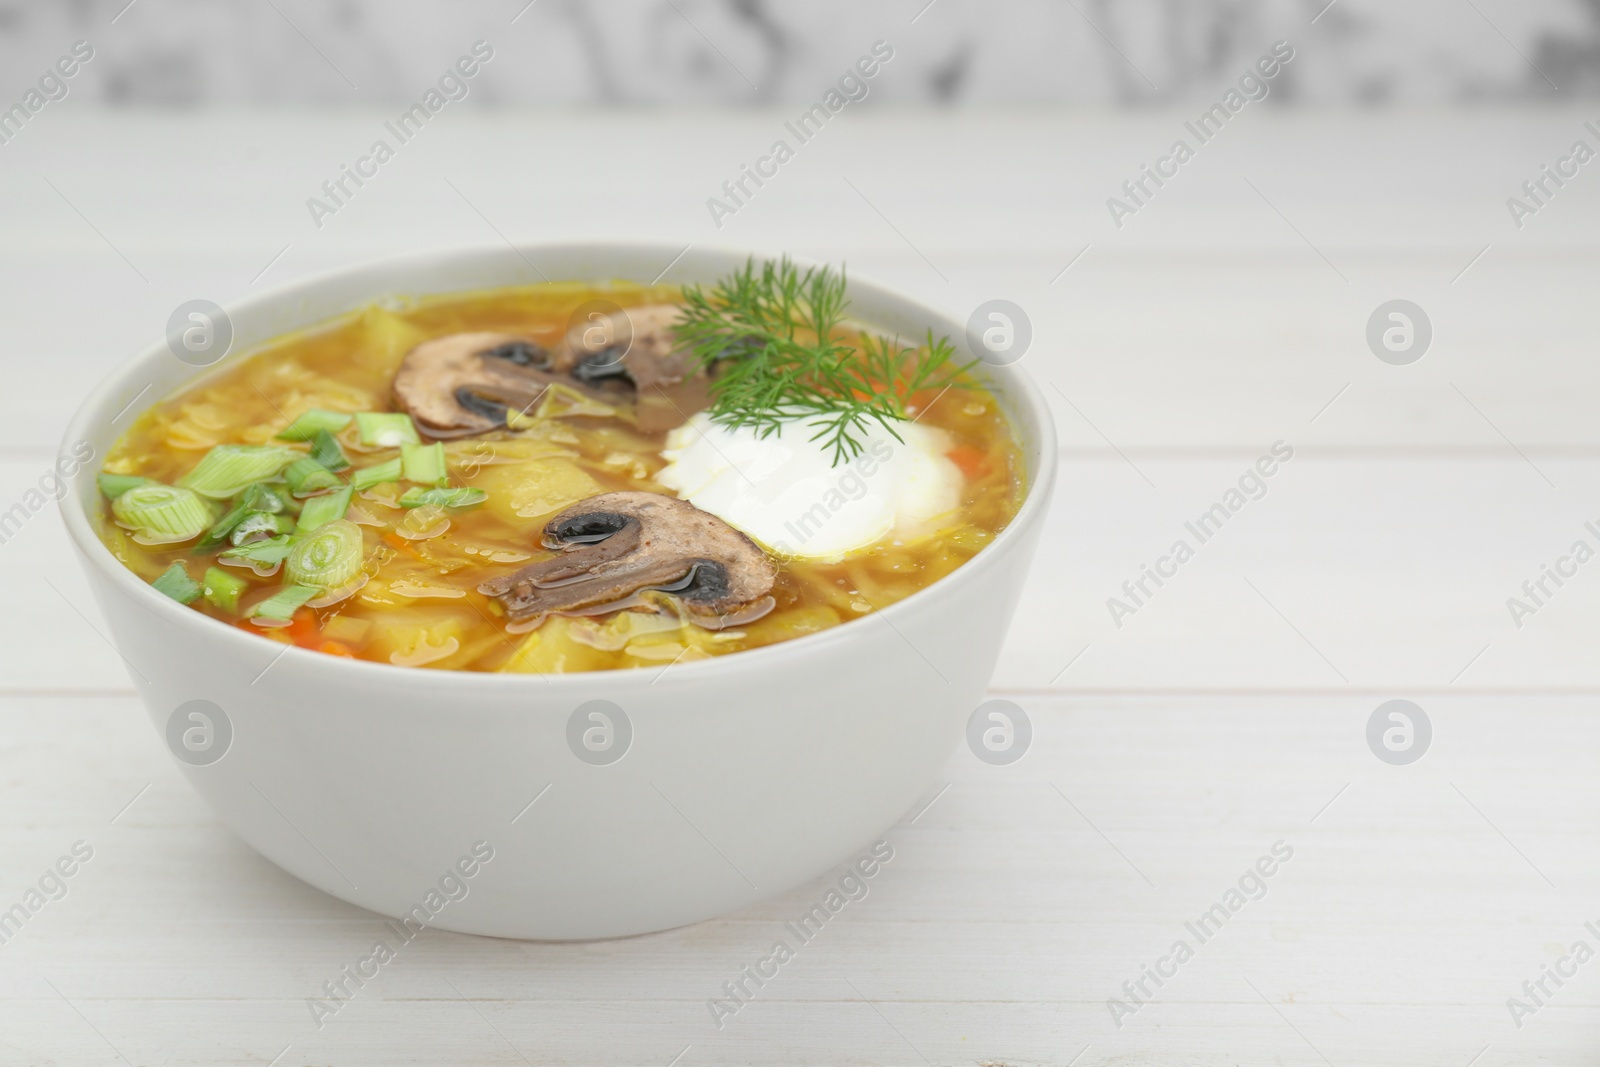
{"points": [[567, 477]]}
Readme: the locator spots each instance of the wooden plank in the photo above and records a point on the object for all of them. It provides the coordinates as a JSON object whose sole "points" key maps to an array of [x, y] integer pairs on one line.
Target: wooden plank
{"points": [[981, 180], [1014, 908]]}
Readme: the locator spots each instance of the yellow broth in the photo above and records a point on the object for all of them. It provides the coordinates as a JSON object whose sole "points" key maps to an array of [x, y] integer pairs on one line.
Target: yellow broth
{"points": [[420, 605]]}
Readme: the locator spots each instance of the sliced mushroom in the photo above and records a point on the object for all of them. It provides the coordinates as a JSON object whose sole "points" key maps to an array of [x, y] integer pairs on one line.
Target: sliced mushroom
{"points": [[617, 544], [637, 345], [463, 383]]}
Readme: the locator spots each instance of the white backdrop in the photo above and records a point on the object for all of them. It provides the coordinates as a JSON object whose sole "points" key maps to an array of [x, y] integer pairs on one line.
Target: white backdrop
{"points": [[1080, 52]]}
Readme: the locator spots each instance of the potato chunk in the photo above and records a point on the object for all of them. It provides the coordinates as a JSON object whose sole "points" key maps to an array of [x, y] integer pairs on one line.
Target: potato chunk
{"points": [[534, 488]]}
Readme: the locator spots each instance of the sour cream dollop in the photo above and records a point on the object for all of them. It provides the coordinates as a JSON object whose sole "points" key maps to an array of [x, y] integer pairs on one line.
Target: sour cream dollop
{"points": [[785, 493]]}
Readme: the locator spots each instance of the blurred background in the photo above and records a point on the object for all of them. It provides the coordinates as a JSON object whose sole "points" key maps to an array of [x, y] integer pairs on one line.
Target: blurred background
{"points": [[741, 52]]}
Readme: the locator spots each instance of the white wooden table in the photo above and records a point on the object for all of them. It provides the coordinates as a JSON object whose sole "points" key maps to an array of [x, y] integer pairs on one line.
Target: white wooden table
{"points": [[1170, 753]]}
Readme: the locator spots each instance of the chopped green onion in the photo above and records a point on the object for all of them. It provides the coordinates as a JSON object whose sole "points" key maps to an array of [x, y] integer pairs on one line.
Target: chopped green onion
{"points": [[326, 451], [285, 602], [320, 510], [258, 498], [328, 558], [222, 589], [114, 485], [224, 526], [227, 469], [263, 497], [424, 464], [267, 553], [306, 476], [386, 429], [162, 513], [461, 497], [367, 477], [260, 522], [176, 583], [308, 425]]}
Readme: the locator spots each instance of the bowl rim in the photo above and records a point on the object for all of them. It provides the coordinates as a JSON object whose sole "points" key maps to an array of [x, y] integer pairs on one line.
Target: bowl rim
{"points": [[1022, 398]]}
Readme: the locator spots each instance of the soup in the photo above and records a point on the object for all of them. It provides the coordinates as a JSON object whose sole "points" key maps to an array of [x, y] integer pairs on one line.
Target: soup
{"points": [[566, 477]]}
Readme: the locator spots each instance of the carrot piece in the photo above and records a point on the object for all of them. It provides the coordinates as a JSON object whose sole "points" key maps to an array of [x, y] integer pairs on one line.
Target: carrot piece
{"points": [[334, 648], [303, 628], [394, 540], [972, 460]]}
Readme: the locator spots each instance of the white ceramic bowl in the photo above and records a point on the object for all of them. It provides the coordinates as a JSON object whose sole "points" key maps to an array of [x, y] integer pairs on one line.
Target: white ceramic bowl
{"points": [[746, 774]]}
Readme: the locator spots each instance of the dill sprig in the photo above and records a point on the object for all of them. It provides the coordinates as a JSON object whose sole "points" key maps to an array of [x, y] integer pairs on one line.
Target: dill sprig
{"points": [[781, 353]]}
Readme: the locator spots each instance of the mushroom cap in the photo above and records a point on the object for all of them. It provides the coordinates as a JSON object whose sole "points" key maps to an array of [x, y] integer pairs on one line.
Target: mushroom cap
{"points": [[616, 544], [463, 383], [637, 342], [638, 345]]}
